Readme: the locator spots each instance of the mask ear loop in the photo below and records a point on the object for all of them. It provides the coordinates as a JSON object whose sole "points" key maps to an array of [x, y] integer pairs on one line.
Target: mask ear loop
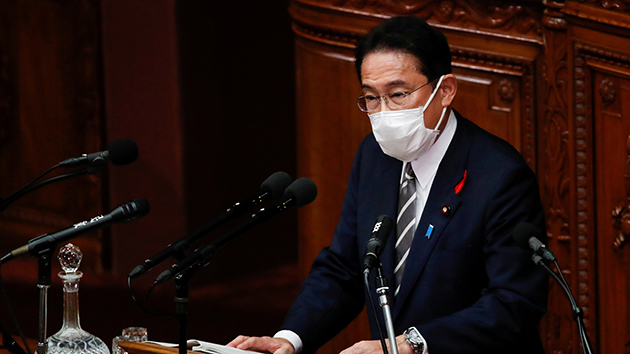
{"points": [[431, 99], [440, 121]]}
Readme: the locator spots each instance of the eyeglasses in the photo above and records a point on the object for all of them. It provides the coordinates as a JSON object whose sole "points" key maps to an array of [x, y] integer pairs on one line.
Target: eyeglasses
{"points": [[394, 100]]}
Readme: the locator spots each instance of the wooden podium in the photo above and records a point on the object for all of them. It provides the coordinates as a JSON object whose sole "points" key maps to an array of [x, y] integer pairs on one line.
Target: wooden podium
{"points": [[147, 348]]}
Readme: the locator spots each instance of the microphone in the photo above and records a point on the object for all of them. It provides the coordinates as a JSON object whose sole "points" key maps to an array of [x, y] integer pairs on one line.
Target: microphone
{"points": [[121, 152], [123, 213], [272, 188], [376, 243], [301, 192], [526, 235]]}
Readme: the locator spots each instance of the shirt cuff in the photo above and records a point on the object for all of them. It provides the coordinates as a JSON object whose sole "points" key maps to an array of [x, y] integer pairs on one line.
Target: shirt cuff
{"points": [[292, 337]]}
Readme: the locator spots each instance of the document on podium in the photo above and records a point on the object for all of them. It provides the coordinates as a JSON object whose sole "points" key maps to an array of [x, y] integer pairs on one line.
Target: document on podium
{"points": [[205, 347]]}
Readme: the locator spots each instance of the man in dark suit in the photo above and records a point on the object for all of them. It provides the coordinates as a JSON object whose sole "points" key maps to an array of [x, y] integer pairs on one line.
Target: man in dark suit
{"points": [[460, 283]]}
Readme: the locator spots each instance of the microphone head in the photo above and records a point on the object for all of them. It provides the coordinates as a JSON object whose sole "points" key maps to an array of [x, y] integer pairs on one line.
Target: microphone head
{"points": [[385, 226], [523, 232], [123, 151], [277, 183], [302, 190], [376, 243], [129, 211], [141, 207]]}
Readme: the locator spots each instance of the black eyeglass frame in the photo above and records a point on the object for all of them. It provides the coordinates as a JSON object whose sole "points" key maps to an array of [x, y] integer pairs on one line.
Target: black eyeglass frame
{"points": [[388, 97]]}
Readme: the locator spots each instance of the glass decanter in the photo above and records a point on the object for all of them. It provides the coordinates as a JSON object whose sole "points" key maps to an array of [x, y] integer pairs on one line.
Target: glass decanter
{"points": [[71, 339]]}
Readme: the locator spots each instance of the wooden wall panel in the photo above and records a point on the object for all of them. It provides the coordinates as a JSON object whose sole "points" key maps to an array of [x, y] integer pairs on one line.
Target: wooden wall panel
{"points": [[498, 78], [611, 104], [51, 110], [142, 103], [327, 81], [492, 94], [238, 123], [324, 115], [601, 92]]}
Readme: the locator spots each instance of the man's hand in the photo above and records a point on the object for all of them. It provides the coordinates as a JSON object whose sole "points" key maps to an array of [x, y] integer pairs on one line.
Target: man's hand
{"points": [[263, 344], [374, 347]]}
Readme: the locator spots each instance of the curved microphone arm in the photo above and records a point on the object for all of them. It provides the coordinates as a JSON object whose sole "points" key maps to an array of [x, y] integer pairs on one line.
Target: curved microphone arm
{"points": [[578, 313], [31, 187]]}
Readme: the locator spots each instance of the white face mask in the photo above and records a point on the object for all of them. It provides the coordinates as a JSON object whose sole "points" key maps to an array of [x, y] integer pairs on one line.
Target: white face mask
{"points": [[402, 134]]}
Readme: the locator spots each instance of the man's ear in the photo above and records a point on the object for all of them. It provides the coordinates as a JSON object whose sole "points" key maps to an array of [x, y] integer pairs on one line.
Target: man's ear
{"points": [[449, 89]]}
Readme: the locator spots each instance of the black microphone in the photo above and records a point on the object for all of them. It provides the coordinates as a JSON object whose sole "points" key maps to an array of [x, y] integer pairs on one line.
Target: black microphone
{"points": [[272, 188], [526, 235], [120, 152], [123, 213], [301, 192], [376, 243]]}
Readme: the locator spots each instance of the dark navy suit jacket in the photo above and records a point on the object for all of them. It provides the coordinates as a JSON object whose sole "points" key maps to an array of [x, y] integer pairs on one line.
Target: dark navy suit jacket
{"points": [[468, 288]]}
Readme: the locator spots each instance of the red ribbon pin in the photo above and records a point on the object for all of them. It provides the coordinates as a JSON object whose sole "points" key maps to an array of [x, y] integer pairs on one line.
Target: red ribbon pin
{"points": [[460, 185]]}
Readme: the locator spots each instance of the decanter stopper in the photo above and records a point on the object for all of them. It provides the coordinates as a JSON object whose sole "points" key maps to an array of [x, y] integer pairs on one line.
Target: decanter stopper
{"points": [[71, 338], [70, 257]]}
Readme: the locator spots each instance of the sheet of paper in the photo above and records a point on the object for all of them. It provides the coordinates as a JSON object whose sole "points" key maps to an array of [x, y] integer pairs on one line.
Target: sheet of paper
{"points": [[206, 347]]}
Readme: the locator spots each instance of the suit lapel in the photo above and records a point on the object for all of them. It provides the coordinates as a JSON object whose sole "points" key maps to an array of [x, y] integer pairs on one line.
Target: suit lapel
{"points": [[442, 195], [383, 192], [390, 208]]}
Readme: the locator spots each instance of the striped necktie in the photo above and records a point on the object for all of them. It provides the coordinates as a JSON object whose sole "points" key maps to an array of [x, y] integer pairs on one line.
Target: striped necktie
{"points": [[405, 223]]}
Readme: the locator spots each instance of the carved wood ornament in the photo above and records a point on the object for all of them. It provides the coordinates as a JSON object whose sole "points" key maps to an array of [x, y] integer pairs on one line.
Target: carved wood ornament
{"points": [[583, 164], [506, 90], [610, 12], [555, 174], [555, 125], [614, 5], [621, 213], [499, 19], [466, 14], [607, 91]]}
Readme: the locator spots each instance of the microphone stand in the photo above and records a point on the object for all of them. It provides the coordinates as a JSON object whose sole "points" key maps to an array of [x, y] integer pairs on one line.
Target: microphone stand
{"points": [[382, 289], [578, 313], [181, 307], [43, 283], [182, 280], [181, 302]]}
